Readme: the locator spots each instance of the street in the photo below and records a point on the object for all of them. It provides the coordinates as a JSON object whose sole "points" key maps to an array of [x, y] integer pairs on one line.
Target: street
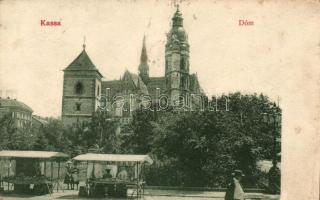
{"points": [[149, 195]]}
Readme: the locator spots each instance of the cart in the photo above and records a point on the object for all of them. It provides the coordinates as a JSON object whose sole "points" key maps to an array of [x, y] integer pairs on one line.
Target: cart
{"points": [[114, 186], [27, 171]]}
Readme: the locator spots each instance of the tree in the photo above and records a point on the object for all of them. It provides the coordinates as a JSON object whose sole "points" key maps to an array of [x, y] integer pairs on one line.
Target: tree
{"points": [[204, 147], [139, 133], [100, 133], [14, 138]]}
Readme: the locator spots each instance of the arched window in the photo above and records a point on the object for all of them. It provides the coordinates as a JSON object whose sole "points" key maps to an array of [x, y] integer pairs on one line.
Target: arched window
{"points": [[98, 91], [78, 106], [79, 88]]}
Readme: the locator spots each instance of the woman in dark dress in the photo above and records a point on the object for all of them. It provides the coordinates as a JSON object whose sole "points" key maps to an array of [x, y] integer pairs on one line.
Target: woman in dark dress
{"points": [[68, 179], [75, 177]]}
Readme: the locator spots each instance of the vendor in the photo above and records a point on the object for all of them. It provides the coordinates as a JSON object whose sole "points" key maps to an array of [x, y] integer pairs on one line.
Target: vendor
{"points": [[107, 174], [123, 174]]}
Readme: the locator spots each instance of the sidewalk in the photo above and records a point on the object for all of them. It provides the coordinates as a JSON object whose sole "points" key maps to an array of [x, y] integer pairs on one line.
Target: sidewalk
{"points": [[149, 195]]}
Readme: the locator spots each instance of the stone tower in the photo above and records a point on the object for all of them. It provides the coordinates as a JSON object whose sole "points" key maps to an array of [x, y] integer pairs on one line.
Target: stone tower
{"points": [[144, 67], [81, 90], [177, 61]]}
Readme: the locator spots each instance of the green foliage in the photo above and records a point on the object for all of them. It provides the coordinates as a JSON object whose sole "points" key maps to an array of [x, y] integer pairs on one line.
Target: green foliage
{"points": [[100, 133], [190, 148], [201, 148], [15, 138], [138, 136]]}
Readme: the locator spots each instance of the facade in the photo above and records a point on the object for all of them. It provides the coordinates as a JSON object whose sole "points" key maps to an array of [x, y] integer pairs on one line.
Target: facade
{"points": [[81, 89], [20, 112], [84, 89]]}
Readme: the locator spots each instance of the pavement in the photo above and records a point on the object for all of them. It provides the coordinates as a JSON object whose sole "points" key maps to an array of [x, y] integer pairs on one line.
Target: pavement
{"points": [[149, 195]]}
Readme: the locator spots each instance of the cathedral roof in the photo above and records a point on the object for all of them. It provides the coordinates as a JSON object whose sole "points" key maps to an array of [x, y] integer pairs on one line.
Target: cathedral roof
{"points": [[134, 81], [138, 82], [114, 86], [195, 85], [154, 83]]}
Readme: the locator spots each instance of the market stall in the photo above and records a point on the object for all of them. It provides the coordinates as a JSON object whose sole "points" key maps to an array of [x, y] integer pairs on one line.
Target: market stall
{"points": [[121, 171], [27, 171]]}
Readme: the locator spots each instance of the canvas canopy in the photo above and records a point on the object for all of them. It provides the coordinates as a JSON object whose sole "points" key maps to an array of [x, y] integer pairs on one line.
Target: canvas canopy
{"points": [[33, 154], [114, 158]]}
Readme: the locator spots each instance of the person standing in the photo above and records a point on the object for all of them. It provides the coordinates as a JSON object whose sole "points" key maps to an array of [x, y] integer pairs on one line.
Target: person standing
{"points": [[75, 177], [68, 177], [234, 189], [274, 177]]}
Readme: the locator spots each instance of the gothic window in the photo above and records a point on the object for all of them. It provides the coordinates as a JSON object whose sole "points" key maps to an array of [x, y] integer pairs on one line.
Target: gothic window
{"points": [[183, 82], [182, 63], [79, 88], [78, 106], [167, 65], [98, 91]]}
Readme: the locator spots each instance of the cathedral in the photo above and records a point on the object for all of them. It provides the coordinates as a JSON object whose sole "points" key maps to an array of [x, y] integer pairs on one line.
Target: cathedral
{"points": [[85, 90]]}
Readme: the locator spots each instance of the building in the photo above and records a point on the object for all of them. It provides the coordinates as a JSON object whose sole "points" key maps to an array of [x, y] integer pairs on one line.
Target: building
{"points": [[38, 122], [20, 112], [85, 90]]}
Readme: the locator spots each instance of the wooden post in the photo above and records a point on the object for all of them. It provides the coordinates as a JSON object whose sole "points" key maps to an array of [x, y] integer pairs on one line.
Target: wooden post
{"points": [[142, 173], [87, 174], [137, 181], [9, 174], [51, 170], [45, 168], [93, 170], [58, 183]]}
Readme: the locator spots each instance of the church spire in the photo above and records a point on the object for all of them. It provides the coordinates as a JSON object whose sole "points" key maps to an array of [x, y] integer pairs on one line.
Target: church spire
{"points": [[177, 18], [144, 67], [84, 43], [144, 56]]}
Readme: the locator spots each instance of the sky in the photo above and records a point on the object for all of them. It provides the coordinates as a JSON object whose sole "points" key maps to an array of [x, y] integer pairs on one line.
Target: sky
{"points": [[226, 57]]}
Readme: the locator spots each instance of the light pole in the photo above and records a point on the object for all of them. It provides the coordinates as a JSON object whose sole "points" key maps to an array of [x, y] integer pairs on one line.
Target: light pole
{"points": [[273, 118], [101, 130], [274, 174]]}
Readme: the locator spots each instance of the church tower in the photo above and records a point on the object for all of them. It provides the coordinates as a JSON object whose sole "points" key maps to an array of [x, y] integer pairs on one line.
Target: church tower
{"points": [[144, 67], [81, 90], [177, 61]]}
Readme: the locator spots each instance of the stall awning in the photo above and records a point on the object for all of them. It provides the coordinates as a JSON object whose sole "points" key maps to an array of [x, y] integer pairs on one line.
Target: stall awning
{"points": [[114, 158], [33, 154]]}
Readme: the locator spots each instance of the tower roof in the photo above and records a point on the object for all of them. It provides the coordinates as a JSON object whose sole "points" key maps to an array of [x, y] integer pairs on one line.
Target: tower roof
{"points": [[144, 56], [143, 66], [177, 18], [177, 32], [82, 62]]}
